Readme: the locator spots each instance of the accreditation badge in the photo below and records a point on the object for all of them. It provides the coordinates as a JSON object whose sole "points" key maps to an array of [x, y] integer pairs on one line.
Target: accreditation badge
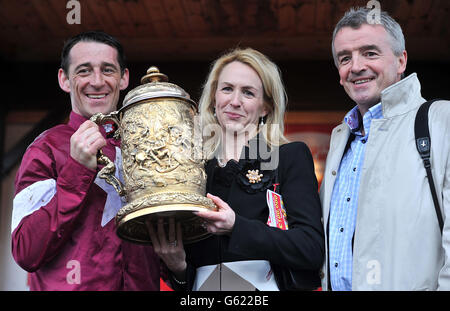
{"points": [[277, 212]]}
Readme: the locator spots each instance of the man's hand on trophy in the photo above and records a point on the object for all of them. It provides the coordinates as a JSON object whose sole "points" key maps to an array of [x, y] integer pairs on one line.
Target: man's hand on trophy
{"points": [[85, 143], [169, 246], [218, 222]]}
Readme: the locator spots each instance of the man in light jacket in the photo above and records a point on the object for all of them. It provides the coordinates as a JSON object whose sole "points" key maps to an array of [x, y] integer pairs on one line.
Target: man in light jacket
{"points": [[382, 230]]}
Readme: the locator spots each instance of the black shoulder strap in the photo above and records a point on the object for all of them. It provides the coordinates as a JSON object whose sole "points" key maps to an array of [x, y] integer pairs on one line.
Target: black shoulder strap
{"points": [[423, 144]]}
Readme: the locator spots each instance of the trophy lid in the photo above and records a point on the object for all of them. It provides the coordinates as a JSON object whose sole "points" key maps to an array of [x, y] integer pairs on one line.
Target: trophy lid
{"points": [[155, 85]]}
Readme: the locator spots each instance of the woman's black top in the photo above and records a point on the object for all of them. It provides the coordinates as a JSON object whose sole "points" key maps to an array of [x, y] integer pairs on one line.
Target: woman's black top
{"points": [[301, 247]]}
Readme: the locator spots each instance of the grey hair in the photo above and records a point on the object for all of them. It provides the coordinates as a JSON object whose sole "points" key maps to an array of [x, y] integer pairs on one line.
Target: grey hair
{"points": [[356, 17]]}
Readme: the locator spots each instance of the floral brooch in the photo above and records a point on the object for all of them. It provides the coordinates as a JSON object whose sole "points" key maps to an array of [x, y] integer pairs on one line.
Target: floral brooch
{"points": [[254, 176], [252, 180]]}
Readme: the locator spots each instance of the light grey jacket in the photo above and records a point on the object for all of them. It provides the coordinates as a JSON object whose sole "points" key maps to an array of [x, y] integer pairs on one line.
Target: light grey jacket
{"points": [[397, 242]]}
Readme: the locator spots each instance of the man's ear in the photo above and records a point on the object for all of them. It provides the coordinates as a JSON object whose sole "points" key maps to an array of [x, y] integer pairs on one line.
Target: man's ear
{"points": [[124, 79], [63, 80], [402, 60]]}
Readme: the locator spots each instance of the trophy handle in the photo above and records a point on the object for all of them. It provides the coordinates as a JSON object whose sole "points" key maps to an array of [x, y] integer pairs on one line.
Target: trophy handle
{"points": [[107, 172]]}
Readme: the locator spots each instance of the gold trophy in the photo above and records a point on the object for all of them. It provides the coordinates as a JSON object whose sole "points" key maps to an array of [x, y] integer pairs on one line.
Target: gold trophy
{"points": [[163, 165]]}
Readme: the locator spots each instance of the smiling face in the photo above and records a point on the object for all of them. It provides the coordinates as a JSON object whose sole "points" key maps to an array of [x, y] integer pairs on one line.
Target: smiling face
{"points": [[366, 63], [93, 79], [239, 99]]}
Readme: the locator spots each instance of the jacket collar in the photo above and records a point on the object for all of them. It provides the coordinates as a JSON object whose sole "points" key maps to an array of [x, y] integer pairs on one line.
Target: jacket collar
{"points": [[401, 97], [75, 120]]}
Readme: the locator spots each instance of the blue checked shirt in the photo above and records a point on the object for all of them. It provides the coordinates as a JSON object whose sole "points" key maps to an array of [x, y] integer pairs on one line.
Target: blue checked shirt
{"points": [[344, 199]]}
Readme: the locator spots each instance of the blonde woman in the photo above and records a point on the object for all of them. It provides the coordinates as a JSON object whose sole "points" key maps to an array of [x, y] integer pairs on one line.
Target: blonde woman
{"points": [[251, 169]]}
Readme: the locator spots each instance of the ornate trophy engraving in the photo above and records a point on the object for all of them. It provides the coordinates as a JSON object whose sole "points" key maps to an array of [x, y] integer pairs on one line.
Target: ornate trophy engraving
{"points": [[162, 163]]}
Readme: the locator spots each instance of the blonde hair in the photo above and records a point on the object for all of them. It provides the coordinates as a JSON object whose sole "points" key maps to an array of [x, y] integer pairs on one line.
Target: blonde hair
{"points": [[275, 98]]}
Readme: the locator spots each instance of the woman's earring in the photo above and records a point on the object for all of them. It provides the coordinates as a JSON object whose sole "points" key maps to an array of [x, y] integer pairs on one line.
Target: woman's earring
{"points": [[261, 121]]}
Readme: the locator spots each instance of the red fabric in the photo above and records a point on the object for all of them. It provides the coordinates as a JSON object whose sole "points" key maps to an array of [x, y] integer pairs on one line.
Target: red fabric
{"points": [[163, 286], [63, 243]]}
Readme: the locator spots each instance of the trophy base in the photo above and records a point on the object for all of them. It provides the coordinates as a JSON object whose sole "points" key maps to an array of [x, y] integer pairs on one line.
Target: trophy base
{"points": [[132, 227]]}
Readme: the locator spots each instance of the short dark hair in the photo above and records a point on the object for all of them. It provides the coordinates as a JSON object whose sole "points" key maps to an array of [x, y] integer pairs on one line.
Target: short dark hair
{"points": [[92, 36]]}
